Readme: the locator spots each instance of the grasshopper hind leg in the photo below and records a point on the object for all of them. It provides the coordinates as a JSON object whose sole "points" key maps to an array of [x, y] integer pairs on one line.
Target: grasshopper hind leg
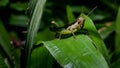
{"points": [[60, 36], [73, 35]]}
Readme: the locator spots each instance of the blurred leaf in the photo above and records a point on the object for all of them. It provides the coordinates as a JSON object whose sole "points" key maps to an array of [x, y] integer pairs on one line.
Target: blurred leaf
{"points": [[106, 31], [2, 62], [20, 20], [70, 16], [16, 48], [33, 28], [4, 2], [44, 35], [94, 35], [19, 6], [76, 53], [40, 57], [116, 63], [116, 57], [79, 9], [5, 45], [110, 3], [117, 39], [17, 54], [98, 17], [58, 23]]}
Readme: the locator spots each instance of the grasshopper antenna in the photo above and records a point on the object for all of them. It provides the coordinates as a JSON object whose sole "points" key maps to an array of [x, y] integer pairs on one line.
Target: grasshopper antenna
{"points": [[82, 9], [91, 10]]}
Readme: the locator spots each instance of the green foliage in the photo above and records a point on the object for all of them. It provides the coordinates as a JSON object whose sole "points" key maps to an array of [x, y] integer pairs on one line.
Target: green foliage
{"points": [[75, 53], [92, 31], [20, 20], [31, 7], [117, 41], [70, 15], [2, 62], [34, 25], [5, 48], [40, 47], [44, 35], [4, 2], [107, 30], [112, 4], [40, 57], [18, 6]]}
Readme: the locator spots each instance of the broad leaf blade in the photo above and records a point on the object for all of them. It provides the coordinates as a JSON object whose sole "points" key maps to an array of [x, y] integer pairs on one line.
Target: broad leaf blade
{"points": [[40, 57], [76, 53], [93, 34]]}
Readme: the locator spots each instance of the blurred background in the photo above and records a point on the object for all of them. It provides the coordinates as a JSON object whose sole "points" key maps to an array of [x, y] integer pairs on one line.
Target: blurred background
{"points": [[15, 15]]}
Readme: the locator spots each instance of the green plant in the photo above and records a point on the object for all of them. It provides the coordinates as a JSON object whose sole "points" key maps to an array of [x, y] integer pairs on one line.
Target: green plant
{"points": [[42, 49]]}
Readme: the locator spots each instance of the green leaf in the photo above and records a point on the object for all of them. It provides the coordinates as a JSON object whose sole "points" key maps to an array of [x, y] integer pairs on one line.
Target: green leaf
{"points": [[4, 2], [78, 9], [117, 39], [106, 31], [76, 53], [70, 16], [2, 63], [20, 20], [40, 57], [33, 28], [17, 55], [31, 7], [116, 64], [93, 34], [5, 45], [110, 4], [98, 17], [45, 35], [116, 56], [19, 6]]}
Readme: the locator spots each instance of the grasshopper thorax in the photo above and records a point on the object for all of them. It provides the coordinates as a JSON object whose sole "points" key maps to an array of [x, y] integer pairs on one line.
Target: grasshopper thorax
{"points": [[80, 20]]}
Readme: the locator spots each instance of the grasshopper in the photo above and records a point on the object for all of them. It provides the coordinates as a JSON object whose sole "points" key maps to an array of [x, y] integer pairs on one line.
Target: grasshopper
{"points": [[78, 24], [73, 28]]}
